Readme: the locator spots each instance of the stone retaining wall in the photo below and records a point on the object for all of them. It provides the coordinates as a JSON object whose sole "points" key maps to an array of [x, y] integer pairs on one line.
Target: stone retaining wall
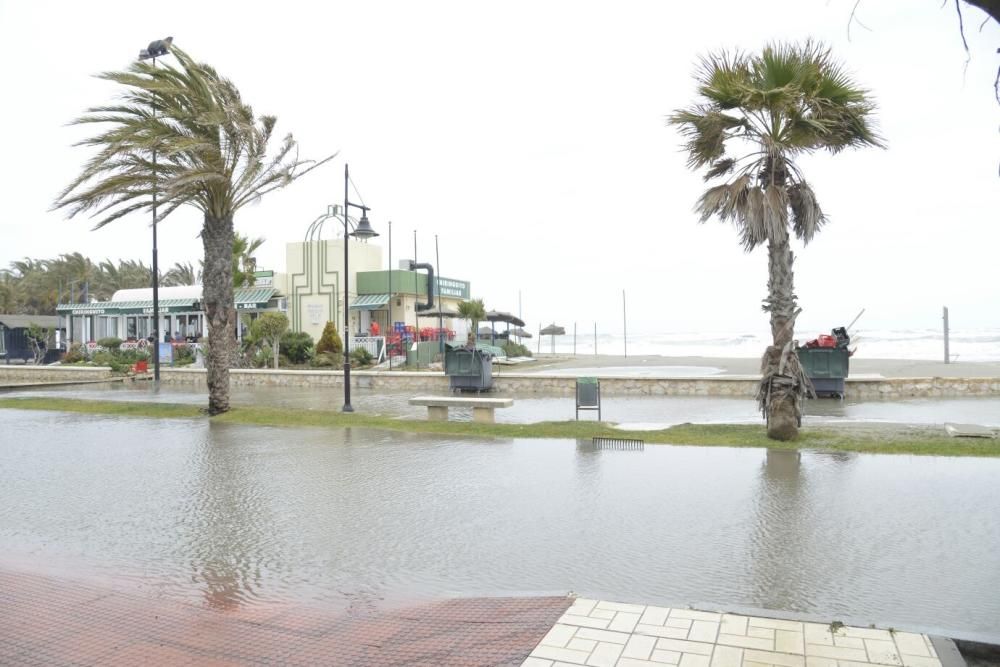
{"points": [[550, 385], [24, 374]]}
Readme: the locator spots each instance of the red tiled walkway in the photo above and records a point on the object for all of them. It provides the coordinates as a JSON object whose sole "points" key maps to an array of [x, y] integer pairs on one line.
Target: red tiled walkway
{"points": [[51, 621]]}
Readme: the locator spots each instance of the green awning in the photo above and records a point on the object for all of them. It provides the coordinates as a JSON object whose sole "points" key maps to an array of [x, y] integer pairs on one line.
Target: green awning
{"points": [[252, 298], [370, 302], [144, 307]]}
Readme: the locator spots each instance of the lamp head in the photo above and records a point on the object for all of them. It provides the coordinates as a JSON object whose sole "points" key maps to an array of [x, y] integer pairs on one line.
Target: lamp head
{"points": [[364, 229]]}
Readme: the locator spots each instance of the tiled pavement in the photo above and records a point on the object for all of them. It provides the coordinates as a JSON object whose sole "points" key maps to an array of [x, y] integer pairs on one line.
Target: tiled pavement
{"points": [[50, 621], [609, 634]]}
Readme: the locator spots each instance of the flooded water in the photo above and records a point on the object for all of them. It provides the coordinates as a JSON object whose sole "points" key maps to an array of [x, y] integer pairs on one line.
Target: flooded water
{"points": [[234, 515]]}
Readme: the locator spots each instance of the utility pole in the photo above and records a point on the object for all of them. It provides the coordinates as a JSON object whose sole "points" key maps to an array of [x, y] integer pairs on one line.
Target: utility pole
{"points": [[947, 354]]}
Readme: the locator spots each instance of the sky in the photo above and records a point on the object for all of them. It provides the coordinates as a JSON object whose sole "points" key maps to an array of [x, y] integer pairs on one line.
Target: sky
{"points": [[530, 139]]}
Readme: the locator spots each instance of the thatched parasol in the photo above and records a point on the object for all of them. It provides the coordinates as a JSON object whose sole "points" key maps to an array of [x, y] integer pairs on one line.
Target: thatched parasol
{"points": [[552, 330]]}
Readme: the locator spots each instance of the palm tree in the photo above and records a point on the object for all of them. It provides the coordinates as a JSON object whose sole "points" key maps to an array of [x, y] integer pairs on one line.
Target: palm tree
{"points": [[182, 274], [244, 263], [758, 113], [212, 154], [474, 311]]}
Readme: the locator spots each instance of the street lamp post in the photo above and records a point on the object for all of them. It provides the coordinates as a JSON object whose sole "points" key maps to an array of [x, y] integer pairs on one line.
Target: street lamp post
{"points": [[160, 47], [363, 230]]}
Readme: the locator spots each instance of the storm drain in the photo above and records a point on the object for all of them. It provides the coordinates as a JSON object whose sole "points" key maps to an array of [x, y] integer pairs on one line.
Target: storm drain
{"points": [[617, 443]]}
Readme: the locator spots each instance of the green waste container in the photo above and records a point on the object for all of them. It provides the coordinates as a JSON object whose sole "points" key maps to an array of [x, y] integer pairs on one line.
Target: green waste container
{"points": [[827, 368], [468, 369]]}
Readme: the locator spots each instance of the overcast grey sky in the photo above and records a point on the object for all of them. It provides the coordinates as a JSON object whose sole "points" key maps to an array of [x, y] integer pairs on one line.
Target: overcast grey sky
{"points": [[530, 137]]}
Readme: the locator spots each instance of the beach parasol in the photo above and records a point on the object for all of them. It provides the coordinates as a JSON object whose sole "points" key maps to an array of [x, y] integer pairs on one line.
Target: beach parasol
{"points": [[552, 330]]}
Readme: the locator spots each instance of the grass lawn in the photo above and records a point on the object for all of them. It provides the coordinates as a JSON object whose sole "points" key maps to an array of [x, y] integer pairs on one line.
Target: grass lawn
{"points": [[874, 438]]}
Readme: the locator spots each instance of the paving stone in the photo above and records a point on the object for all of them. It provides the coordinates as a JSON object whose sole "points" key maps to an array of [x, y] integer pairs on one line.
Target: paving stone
{"points": [[536, 662], [666, 657], [624, 622], [605, 655], [789, 642], [866, 633], [559, 635], [695, 615], [584, 621], [603, 635], [684, 623], [618, 606], [911, 644], [693, 660], [750, 663], [582, 606], [816, 661], [816, 633], [882, 652], [564, 654], [849, 642], [639, 646], [838, 652], [919, 661], [727, 656], [636, 662], [661, 631], [703, 631], [746, 642], [581, 645], [733, 625], [775, 624], [606, 614], [684, 646], [930, 646], [772, 658], [763, 633], [654, 615]]}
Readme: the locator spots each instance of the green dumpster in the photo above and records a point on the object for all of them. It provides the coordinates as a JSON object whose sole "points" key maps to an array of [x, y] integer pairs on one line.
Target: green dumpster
{"points": [[827, 368]]}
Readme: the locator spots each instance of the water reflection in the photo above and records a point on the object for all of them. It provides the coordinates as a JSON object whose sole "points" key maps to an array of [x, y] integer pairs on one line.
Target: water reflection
{"points": [[227, 540]]}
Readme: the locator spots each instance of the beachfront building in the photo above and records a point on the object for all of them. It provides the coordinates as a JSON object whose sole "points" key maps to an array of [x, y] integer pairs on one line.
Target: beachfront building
{"points": [[128, 315], [315, 290]]}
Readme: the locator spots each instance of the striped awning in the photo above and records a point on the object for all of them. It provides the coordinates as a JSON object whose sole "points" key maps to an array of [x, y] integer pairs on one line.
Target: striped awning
{"points": [[370, 302], [129, 307], [252, 298]]}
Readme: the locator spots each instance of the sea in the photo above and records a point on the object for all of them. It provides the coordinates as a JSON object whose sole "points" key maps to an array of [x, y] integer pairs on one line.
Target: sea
{"points": [[915, 344]]}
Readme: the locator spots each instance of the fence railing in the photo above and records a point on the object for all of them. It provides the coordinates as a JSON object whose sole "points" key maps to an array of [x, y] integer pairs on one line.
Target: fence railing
{"points": [[374, 345]]}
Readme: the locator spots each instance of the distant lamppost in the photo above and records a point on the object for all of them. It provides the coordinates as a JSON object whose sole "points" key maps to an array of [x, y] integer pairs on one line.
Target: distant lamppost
{"points": [[160, 47], [363, 230]]}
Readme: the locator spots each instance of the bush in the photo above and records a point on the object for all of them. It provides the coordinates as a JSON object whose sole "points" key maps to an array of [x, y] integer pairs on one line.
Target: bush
{"points": [[110, 343], [328, 360], [297, 346], [516, 350], [74, 354], [361, 357], [183, 355], [330, 341]]}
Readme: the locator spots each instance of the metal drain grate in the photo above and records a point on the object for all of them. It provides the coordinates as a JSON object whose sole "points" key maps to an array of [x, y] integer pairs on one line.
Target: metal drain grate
{"points": [[618, 443]]}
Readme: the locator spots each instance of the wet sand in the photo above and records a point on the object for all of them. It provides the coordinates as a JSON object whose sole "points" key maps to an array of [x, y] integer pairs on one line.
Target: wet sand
{"points": [[860, 366]]}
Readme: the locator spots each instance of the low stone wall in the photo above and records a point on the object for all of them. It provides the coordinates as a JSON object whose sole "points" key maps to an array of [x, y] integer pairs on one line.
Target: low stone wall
{"points": [[24, 374], [564, 385]]}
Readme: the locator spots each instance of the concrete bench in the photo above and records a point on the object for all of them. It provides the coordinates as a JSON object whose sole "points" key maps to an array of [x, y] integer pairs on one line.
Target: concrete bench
{"points": [[482, 408]]}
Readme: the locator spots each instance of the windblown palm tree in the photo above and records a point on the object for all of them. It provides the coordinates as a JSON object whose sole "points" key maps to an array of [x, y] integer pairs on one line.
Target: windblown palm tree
{"points": [[756, 115], [182, 273], [212, 154], [474, 311]]}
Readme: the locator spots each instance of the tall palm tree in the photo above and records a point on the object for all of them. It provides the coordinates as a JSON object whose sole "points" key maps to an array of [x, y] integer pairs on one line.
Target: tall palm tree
{"points": [[756, 115], [212, 153]]}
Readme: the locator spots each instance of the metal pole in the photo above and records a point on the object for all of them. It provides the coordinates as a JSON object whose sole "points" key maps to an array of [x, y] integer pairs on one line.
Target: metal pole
{"points": [[156, 282], [437, 268], [947, 355], [595, 339], [574, 339], [414, 246], [624, 325], [388, 325], [347, 318]]}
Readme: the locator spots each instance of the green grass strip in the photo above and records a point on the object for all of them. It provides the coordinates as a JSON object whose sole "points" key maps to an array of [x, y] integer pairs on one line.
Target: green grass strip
{"points": [[875, 439]]}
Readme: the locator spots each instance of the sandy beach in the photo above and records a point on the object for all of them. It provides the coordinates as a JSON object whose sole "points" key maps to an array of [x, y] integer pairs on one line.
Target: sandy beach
{"points": [[699, 366]]}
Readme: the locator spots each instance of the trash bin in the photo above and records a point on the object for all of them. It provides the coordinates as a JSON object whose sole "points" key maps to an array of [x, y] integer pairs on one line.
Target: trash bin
{"points": [[468, 369], [827, 367]]}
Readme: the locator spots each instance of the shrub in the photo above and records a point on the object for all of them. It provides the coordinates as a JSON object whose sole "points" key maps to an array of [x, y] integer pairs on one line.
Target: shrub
{"points": [[297, 346], [74, 354], [110, 343], [328, 360], [183, 355], [516, 349], [329, 341], [361, 357]]}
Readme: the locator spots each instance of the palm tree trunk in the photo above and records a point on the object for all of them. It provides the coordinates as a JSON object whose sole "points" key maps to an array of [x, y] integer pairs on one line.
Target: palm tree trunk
{"points": [[781, 388], [217, 237]]}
